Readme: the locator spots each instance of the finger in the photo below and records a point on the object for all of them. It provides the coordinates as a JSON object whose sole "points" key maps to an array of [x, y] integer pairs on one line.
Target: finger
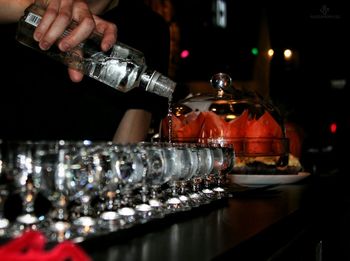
{"points": [[109, 32], [78, 35], [47, 19], [59, 25], [84, 27], [56, 18], [75, 76]]}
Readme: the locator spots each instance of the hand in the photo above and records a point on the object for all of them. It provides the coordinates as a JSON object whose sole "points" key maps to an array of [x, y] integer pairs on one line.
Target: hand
{"points": [[59, 14]]}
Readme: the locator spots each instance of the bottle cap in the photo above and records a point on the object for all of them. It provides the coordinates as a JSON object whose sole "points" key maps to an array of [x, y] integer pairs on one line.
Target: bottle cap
{"points": [[158, 84]]}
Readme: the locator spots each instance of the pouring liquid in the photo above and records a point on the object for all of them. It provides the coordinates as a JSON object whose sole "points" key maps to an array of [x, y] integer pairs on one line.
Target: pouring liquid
{"points": [[170, 120]]}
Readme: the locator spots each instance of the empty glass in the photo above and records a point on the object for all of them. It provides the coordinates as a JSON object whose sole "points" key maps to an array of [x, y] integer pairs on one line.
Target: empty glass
{"points": [[157, 173], [128, 167], [52, 163], [110, 183], [83, 182], [26, 182], [4, 192]]}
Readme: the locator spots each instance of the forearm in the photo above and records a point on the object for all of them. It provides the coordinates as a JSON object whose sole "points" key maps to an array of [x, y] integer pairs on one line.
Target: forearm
{"points": [[12, 10], [133, 127]]}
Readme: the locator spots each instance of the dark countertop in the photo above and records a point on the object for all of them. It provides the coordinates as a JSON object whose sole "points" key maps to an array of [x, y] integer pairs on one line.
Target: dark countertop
{"points": [[252, 225]]}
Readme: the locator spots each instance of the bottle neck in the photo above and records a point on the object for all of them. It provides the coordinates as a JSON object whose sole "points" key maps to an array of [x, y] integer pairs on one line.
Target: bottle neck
{"points": [[154, 82], [146, 78]]}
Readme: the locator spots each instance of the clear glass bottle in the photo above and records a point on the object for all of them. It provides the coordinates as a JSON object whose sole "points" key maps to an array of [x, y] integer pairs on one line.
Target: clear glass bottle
{"points": [[122, 67]]}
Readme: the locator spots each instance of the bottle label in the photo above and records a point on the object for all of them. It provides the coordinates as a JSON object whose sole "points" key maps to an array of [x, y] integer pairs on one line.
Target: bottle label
{"points": [[33, 19]]}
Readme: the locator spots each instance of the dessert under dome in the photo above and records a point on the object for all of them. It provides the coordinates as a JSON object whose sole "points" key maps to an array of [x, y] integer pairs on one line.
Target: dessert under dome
{"points": [[243, 118]]}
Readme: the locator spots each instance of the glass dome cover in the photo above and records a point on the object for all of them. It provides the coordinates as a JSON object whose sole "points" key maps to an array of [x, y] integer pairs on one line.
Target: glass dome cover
{"points": [[244, 118]]}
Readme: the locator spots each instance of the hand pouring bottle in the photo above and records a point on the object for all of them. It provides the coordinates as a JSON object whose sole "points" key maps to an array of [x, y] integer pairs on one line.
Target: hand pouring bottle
{"points": [[122, 67]]}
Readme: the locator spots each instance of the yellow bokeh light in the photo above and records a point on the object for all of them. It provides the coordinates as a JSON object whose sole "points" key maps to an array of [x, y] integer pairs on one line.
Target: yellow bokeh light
{"points": [[270, 52], [288, 54]]}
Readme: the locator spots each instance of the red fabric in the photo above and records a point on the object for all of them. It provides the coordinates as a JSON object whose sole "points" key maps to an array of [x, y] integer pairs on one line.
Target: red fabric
{"points": [[30, 246]]}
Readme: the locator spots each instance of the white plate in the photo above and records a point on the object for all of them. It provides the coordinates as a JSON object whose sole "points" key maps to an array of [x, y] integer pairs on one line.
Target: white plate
{"points": [[251, 179]]}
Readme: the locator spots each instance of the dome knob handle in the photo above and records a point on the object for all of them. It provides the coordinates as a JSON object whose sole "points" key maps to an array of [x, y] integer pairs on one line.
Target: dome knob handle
{"points": [[221, 81]]}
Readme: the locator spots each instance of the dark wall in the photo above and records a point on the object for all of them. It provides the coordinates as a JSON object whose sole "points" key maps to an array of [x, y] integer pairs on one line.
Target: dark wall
{"points": [[212, 48]]}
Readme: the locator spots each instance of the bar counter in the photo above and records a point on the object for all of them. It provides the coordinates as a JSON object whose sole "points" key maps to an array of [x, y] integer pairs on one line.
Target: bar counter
{"points": [[279, 223]]}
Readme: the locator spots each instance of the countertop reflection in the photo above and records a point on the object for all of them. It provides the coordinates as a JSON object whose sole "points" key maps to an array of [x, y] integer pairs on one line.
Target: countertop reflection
{"points": [[216, 232]]}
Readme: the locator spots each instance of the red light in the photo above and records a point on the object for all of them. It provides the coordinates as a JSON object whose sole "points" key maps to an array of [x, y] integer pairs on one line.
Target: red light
{"points": [[184, 54], [333, 128]]}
